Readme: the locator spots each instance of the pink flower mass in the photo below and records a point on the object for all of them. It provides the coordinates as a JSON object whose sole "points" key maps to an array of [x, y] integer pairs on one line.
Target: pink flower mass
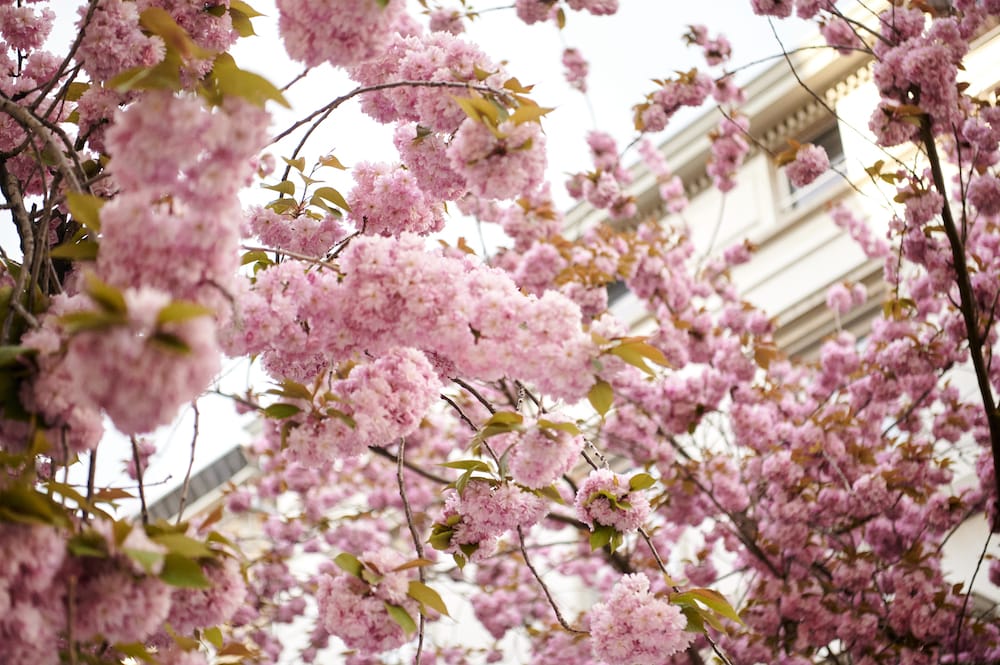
{"points": [[810, 162], [633, 626], [478, 424]]}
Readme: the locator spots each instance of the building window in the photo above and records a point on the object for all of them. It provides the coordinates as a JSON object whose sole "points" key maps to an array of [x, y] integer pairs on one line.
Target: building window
{"points": [[616, 291]]}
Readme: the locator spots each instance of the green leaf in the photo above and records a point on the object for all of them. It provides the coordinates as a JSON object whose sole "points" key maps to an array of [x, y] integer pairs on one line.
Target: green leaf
{"points": [[159, 22], [150, 561], [68, 491], [601, 397], [243, 7], [75, 91], [294, 390], [426, 596], [468, 465], [241, 22], [636, 351], [370, 576], [528, 113], [135, 650], [711, 599], [85, 209], [349, 563], [331, 161], [632, 357], [281, 206], [505, 418], [216, 537], [333, 196], [286, 187], [298, 164], [85, 250], [185, 643], [107, 297], [402, 617], [416, 563], [551, 493], [494, 430], [569, 428], [110, 494], [440, 538], [165, 75], [170, 342], [601, 536], [10, 355], [186, 546], [19, 503], [462, 481], [88, 543], [229, 79], [181, 310], [239, 650], [281, 411], [695, 622], [180, 571], [213, 636], [254, 256], [75, 322], [479, 109], [641, 481]]}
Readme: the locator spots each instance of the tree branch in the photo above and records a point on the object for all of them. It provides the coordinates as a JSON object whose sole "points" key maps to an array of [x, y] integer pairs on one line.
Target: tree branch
{"points": [[968, 308], [138, 477], [417, 544], [545, 588], [187, 475]]}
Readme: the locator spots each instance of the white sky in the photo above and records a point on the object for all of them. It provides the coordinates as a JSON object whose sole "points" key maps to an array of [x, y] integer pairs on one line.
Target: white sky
{"points": [[641, 42]]}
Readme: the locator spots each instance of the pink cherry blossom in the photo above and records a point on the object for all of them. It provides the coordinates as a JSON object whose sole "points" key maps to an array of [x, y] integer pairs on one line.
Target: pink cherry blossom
{"points": [[632, 625], [810, 162]]}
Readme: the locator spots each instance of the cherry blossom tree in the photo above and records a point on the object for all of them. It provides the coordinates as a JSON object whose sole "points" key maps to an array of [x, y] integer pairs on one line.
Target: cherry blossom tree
{"points": [[441, 428]]}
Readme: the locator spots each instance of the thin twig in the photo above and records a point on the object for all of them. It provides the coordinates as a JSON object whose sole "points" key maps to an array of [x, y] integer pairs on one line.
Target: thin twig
{"points": [[44, 130], [293, 255], [138, 477], [187, 475], [11, 189], [417, 544], [968, 308], [295, 80], [475, 393], [84, 22], [70, 618], [326, 109], [968, 593], [91, 478], [545, 588], [461, 414], [420, 471]]}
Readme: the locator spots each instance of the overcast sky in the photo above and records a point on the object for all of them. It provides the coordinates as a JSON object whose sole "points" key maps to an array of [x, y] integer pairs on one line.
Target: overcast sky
{"points": [[641, 42]]}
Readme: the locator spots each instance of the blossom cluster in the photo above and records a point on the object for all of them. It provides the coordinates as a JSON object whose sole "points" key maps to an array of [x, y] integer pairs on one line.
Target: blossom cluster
{"points": [[391, 294], [604, 187], [355, 609], [634, 626], [376, 404], [482, 512], [606, 499]]}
